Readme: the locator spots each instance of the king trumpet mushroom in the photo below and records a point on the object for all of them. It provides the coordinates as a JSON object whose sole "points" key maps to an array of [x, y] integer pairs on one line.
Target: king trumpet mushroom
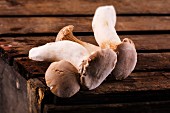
{"points": [[62, 78], [103, 25], [99, 57], [93, 67]]}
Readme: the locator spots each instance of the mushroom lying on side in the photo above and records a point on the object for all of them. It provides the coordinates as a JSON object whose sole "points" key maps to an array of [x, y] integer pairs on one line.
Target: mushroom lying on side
{"points": [[62, 78], [103, 25], [93, 67]]}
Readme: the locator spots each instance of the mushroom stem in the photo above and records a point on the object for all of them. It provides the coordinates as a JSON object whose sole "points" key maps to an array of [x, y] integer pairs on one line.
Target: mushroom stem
{"points": [[103, 25], [56, 51], [66, 33]]}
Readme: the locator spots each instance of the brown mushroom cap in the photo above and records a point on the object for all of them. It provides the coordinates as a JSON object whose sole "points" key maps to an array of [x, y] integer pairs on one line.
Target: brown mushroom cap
{"points": [[62, 78], [126, 59], [64, 32], [95, 69]]}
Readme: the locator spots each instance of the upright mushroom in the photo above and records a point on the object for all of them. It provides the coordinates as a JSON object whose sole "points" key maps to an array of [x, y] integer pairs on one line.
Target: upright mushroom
{"points": [[93, 67], [62, 78], [103, 25]]}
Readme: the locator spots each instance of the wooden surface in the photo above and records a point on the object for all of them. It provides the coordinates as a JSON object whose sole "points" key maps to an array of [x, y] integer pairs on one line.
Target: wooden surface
{"points": [[81, 7], [29, 23], [13, 90], [25, 25]]}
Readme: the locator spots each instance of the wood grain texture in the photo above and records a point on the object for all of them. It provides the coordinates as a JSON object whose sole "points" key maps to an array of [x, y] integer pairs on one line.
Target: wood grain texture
{"points": [[36, 91], [13, 92], [82, 24], [139, 87], [143, 107], [146, 62], [12, 47], [81, 7]]}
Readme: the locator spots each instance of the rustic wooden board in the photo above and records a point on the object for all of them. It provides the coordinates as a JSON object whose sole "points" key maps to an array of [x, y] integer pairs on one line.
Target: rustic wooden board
{"points": [[81, 7], [12, 47], [130, 90], [13, 92], [136, 81], [36, 91], [82, 24], [146, 62], [150, 42], [143, 107]]}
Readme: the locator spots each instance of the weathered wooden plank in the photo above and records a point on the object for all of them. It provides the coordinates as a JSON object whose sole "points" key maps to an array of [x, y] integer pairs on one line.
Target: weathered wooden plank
{"points": [[29, 68], [136, 81], [153, 61], [143, 107], [19, 95], [142, 42], [139, 81], [37, 94], [20, 46], [146, 62], [140, 87], [81, 7], [13, 92], [82, 24], [35, 89]]}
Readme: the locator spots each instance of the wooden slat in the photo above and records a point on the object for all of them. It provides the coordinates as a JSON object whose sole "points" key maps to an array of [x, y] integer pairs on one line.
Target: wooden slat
{"points": [[14, 47], [136, 81], [146, 62], [14, 90], [60, 7], [82, 24], [139, 87], [143, 107]]}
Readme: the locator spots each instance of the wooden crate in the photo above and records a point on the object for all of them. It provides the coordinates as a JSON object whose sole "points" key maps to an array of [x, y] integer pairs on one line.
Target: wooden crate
{"points": [[28, 23]]}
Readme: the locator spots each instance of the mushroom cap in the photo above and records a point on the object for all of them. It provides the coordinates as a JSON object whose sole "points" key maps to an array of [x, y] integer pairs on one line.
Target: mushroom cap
{"points": [[126, 59], [97, 67], [67, 30], [62, 78]]}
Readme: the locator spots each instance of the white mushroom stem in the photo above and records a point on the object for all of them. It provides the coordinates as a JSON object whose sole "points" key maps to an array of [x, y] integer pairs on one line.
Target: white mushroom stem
{"points": [[62, 78], [66, 33], [103, 25], [61, 50]]}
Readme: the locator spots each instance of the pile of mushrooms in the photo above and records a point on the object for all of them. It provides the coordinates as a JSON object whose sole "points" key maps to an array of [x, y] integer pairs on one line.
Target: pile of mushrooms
{"points": [[78, 64]]}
